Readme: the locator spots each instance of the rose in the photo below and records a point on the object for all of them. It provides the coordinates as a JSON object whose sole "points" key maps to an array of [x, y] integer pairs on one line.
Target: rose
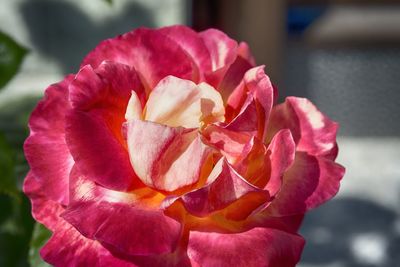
{"points": [[166, 149]]}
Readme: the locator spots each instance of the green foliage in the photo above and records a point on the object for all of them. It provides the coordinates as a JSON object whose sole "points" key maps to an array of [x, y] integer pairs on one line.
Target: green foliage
{"points": [[39, 237], [11, 55], [8, 183], [109, 1], [16, 225], [16, 221]]}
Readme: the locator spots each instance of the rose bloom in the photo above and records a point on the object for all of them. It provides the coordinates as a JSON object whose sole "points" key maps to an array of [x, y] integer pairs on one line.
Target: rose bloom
{"points": [[167, 148]]}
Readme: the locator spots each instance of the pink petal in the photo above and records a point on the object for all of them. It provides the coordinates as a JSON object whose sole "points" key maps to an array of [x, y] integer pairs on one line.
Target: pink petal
{"points": [[282, 154], [45, 148], [153, 54], [250, 104], [233, 77], [230, 143], [67, 247], [254, 163], [175, 259], [225, 186], [222, 49], [312, 131], [247, 120], [264, 167], [44, 210], [309, 182], [166, 158], [99, 99], [124, 221], [245, 53], [290, 224], [191, 42], [256, 247]]}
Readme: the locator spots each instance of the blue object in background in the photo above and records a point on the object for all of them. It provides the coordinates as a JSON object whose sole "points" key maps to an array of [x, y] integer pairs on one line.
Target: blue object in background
{"points": [[299, 18]]}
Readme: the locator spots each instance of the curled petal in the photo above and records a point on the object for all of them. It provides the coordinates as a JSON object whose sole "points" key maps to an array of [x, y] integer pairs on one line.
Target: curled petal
{"points": [[250, 104], [309, 182], [281, 152], [93, 129], [233, 77], [153, 54], [166, 158], [264, 166], [312, 131], [230, 143], [256, 247], [254, 163], [45, 149]]}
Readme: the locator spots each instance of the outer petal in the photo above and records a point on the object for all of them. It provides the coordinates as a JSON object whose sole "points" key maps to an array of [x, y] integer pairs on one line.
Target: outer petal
{"points": [[44, 210], [127, 222], [153, 54], [166, 158], [94, 124], [256, 247], [222, 49], [312, 131], [67, 247], [245, 53], [45, 148], [309, 182], [191, 42], [225, 187]]}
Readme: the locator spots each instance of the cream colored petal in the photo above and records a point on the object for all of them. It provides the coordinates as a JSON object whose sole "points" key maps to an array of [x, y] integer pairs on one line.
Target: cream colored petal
{"points": [[134, 108], [177, 102]]}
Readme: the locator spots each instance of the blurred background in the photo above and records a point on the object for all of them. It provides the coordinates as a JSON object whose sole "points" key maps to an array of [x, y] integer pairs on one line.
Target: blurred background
{"points": [[344, 55]]}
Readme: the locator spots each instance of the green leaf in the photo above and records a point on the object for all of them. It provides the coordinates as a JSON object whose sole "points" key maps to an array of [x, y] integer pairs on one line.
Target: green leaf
{"points": [[11, 55], [39, 237], [16, 226], [109, 2], [8, 183]]}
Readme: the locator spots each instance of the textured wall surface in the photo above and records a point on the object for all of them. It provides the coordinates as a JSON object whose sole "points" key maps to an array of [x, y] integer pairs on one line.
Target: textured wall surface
{"points": [[360, 88]]}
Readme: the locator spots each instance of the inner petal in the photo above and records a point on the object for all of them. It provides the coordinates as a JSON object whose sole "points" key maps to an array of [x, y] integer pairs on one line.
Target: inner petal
{"points": [[176, 102]]}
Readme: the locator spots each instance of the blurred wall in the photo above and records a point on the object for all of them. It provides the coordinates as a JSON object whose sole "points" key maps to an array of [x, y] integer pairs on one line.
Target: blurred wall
{"points": [[260, 23], [344, 55], [60, 33]]}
